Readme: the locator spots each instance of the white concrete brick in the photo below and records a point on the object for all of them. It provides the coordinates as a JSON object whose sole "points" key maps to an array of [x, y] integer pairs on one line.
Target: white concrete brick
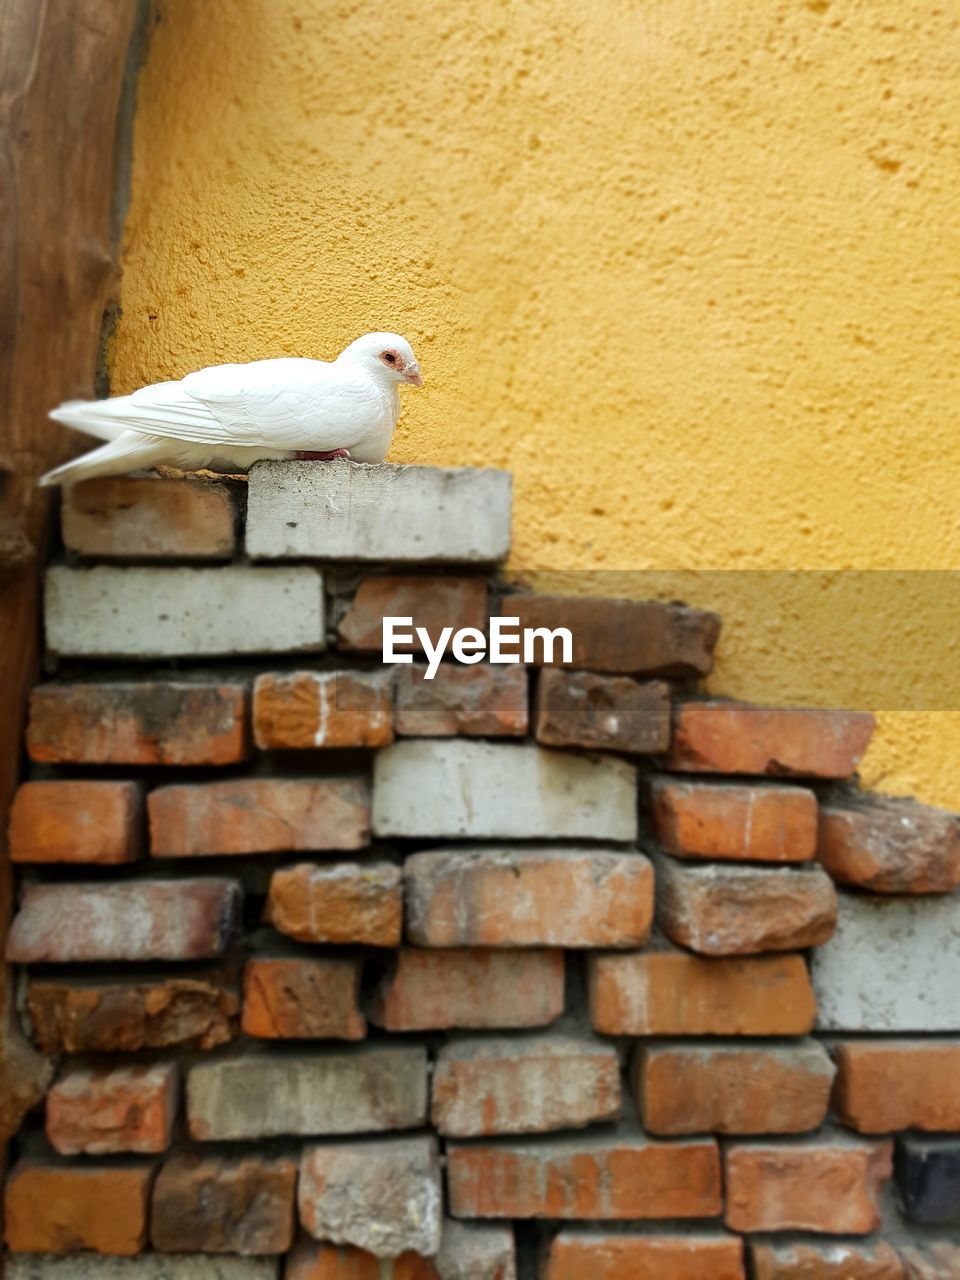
{"points": [[490, 790], [892, 965], [147, 1266], [112, 612], [348, 511]]}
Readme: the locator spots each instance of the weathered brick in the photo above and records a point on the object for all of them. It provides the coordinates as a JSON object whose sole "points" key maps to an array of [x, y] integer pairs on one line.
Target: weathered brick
{"points": [[216, 1205], [53, 1207], [294, 998], [133, 517], [322, 1092], [76, 822], [102, 1111], [471, 988], [309, 709], [146, 1266], [347, 511], [523, 1085], [719, 910], [601, 1176], [624, 637], [383, 1195], [504, 791], [199, 1011], [737, 737], [517, 897], [824, 1186], [886, 1085], [481, 701], [575, 1255], [432, 603], [602, 713], [145, 723], [930, 1260], [675, 994], [717, 1088], [755, 822], [841, 1261], [928, 1176], [890, 846], [317, 1260], [110, 612], [359, 902], [259, 815], [476, 1251], [132, 920]]}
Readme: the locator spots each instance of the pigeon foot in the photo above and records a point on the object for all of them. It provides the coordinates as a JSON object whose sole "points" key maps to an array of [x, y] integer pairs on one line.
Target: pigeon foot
{"points": [[322, 457]]}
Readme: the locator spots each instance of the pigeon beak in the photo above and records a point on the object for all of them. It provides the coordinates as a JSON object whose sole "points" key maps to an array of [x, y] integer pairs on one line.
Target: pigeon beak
{"points": [[412, 374]]}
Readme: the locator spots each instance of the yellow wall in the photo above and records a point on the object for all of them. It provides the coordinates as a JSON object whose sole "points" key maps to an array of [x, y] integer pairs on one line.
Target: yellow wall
{"points": [[688, 267]]}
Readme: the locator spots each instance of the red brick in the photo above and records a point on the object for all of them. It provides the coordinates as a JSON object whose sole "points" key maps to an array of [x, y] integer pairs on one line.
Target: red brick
{"points": [[76, 822], [528, 897], [932, 1260], [523, 1085], [890, 846], [310, 709], [132, 920], [731, 1088], [432, 602], [315, 1260], [53, 1207], [675, 994], [624, 637], [719, 910], [574, 1255], [259, 815], [133, 517], [625, 1175], [602, 713], [886, 1085], [210, 1204], [469, 988], [821, 1186], [343, 902], [107, 1110], [291, 998], [834, 1261], [756, 822], [144, 723], [193, 1012], [735, 737], [482, 701]]}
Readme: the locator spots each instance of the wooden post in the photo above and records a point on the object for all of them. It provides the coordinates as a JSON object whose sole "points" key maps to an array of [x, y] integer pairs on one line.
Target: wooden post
{"points": [[61, 71]]}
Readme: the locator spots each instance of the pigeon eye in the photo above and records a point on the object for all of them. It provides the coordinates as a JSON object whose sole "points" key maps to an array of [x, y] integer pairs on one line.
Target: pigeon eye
{"points": [[389, 357]]}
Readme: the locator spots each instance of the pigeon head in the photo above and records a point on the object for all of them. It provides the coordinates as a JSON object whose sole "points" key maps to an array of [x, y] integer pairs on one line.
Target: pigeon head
{"points": [[386, 355]]}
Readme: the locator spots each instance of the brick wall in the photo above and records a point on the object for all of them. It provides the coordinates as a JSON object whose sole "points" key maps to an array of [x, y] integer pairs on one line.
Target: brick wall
{"points": [[573, 974]]}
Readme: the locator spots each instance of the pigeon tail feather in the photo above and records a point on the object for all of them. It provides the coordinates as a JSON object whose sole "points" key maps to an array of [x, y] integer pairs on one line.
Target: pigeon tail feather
{"points": [[129, 452]]}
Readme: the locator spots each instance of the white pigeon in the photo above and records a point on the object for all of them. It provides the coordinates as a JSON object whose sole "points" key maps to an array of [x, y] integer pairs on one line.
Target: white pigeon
{"points": [[229, 416]]}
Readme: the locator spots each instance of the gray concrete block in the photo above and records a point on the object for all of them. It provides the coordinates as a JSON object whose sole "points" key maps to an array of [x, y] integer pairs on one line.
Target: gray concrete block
{"points": [[348, 511], [476, 1251], [112, 612], [505, 791], [892, 965], [343, 1091], [146, 1266]]}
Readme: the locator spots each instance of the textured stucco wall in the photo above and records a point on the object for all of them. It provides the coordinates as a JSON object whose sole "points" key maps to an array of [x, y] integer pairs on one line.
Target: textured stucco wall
{"points": [[688, 268]]}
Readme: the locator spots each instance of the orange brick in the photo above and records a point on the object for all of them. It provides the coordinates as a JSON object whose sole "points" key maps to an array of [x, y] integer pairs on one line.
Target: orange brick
{"points": [[735, 737], [103, 1111], [210, 1204], [291, 998], [820, 1186], [76, 822], [144, 723], [844, 1261], [133, 517], [312, 1260], [471, 988], [602, 713], [485, 701], [886, 1085], [341, 902], [63, 1208], [731, 1088], [602, 1177], [755, 822], [259, 815], [528, 897], [574, 1255], [310, 709], [676, 994], [890, 846], [432, 602]]}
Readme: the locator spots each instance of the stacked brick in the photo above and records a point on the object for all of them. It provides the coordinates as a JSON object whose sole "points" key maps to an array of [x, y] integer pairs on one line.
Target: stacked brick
{"points": [[567, 972]]}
